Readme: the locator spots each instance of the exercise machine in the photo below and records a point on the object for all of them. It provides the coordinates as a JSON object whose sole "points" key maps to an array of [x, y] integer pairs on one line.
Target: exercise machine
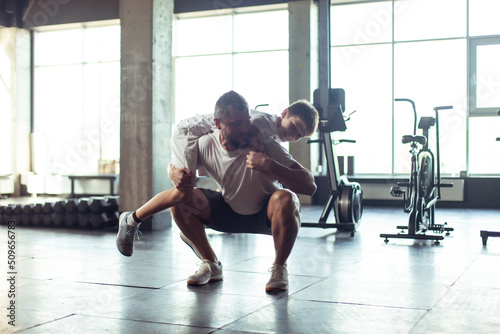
{"points": [[423, 189], [486, 234], [346, 198]]}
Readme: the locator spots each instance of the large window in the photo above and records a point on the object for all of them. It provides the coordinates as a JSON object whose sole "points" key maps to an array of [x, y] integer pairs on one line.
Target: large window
{"points": [[76, 99], [418, 49], [241, 50]]}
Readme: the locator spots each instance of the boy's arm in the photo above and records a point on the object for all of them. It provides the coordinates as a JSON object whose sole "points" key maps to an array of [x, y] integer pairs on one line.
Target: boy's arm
{"points": [[296, 178], [197, 126], [182, 178], [265, 123]]}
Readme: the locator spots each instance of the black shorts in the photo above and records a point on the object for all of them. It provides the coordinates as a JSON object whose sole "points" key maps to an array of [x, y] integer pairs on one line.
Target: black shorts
{"points": [[225, 219]]}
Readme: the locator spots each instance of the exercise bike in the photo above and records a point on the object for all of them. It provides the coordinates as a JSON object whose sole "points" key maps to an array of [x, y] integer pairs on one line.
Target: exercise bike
{"points": [[422, 191]]}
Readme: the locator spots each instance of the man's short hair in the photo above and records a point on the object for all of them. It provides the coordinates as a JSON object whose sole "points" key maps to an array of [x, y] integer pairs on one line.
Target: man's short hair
{"points": [[306, 111], [228, 101]]}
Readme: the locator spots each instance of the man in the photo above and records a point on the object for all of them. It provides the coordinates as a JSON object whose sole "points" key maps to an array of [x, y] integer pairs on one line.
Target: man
{"points": [[251, 199]]}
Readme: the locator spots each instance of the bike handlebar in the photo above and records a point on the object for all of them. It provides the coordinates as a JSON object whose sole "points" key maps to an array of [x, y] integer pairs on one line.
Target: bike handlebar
{"points": [[443, 108], [414, 113]]}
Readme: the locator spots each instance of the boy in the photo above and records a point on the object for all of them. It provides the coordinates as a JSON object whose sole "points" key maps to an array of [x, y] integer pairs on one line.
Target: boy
{"points": [[300, 119]]}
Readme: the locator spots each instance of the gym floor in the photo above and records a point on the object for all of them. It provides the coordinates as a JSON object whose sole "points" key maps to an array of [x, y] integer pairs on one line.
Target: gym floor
{"points": [[75, 281]]}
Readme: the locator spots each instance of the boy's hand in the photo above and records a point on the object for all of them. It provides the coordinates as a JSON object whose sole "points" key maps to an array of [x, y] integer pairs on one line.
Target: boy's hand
{"points": [[182, 178], [257, 141], [259, 161]]}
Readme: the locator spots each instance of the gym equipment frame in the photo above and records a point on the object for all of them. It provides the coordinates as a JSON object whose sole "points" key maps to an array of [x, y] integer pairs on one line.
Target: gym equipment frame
{"points": [[485, 234], [424, 186], [345, 197]]}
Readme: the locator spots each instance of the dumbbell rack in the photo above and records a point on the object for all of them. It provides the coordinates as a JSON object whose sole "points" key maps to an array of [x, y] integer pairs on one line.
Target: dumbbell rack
{"points": [[97, 212]]}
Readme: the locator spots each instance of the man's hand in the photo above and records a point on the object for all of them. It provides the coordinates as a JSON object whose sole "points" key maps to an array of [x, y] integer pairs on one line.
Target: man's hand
{"points": [[182, 178], [296, 178], [259, 161]]}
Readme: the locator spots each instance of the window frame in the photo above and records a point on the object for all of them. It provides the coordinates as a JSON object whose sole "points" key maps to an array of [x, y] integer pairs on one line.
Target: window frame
{"points": [[473, 43]]}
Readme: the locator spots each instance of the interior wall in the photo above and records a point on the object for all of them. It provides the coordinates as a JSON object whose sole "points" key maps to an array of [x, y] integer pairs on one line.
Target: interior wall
{"points": [[53, 12], [479, 193]]}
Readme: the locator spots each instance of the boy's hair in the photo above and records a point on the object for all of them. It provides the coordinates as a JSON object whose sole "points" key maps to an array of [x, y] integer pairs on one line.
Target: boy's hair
{"points": [[228, 101], [306, 111]]}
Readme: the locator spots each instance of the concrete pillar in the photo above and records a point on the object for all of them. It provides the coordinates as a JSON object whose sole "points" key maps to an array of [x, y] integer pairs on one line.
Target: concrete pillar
{"points": [[302, 67], [22, 111], [146, 103], [15, 103]]}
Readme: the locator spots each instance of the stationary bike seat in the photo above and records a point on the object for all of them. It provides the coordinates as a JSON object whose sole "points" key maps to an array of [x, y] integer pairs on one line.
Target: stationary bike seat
{"points": [[410, 139]]}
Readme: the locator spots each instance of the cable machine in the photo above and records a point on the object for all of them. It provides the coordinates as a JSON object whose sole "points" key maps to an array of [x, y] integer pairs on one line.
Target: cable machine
{"points": [[345, 197]]}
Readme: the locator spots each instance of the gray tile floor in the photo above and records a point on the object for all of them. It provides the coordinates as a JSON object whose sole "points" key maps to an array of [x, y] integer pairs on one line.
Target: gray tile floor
{"points": [[74, 281]]}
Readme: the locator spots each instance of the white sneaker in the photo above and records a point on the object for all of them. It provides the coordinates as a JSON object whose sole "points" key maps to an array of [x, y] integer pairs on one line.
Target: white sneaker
{"points": [[279, 278], [207, 272]]}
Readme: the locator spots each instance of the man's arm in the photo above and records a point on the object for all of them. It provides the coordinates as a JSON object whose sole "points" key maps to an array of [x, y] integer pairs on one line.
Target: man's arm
{"points": [[296, 178]]}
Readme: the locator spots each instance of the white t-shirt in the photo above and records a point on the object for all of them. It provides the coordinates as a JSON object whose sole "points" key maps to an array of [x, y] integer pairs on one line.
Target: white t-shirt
{"points": [[244, 189]]}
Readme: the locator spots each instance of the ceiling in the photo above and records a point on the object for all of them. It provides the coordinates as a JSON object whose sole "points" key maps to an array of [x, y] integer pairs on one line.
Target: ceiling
{"points": [[12, 11]]}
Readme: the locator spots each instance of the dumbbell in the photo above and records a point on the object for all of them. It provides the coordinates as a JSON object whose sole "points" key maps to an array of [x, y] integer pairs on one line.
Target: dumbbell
{"points": [[84, 220], [27, 214], [3, 220], [48, 212], [17, 214], [37, 216], [71, 219], [71, 206], [113, 202], [84, 205], [59, 213], [99, 220], [98, 205]]}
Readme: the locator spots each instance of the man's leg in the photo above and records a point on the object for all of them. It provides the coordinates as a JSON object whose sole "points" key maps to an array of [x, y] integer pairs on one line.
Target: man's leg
{"points": [[190, 217], [283, 213]]}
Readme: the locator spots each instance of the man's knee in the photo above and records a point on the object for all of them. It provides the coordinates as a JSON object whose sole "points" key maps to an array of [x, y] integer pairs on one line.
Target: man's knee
{"points": [[284, 208], [181, 196], [196, 205], [284, 199]]}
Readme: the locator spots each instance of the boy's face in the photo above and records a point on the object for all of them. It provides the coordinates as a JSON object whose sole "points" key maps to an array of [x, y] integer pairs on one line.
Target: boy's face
{"points": [[293, 127]]}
